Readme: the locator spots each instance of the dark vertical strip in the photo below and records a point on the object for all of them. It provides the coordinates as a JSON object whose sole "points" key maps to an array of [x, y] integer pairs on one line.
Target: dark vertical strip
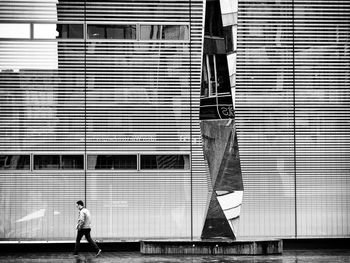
{"points": [[294, 122], [31, 31], [85, 156], [190, 60]]}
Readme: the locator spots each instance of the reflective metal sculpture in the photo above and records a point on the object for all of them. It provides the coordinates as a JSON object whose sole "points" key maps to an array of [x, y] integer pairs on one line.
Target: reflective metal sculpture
{"points": [[220, 142]]}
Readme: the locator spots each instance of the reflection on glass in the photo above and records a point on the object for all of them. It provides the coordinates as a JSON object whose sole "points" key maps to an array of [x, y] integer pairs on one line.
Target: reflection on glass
{"points": [[100, 162], [164, 32], [223, 80], [212, 73], [14, 162], [150, 32], [165, 162], [213, 22], [215, 75], [58, 162], [69, 162], [14, 30], [205, 80], [46, 162], [70, 31], [173, 32], [111, 31]]}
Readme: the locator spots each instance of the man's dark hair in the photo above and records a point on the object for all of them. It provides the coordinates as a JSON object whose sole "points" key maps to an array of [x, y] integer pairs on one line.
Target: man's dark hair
{"points": [[80, 203]]}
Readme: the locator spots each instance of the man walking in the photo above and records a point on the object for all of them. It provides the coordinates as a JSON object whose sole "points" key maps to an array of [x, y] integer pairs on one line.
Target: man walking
{"points": [[84, 228]]}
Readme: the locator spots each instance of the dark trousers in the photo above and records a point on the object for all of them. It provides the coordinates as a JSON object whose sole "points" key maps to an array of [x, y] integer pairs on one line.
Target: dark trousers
{"points": [[84, 232]]}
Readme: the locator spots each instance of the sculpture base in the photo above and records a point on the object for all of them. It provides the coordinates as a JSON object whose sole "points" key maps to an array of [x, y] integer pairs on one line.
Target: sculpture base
{"points": [[212, 247]]}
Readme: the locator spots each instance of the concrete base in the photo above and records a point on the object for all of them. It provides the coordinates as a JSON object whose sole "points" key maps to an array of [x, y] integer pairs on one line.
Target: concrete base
{"points": [[212, 247]]}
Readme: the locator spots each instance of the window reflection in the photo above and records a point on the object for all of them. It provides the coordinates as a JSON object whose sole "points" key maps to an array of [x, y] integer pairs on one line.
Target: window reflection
{"points": [[70, 31], [100, 162], [164, 32], [150, 32], [165, 162], [213, 23], [46, 162], [215, 74], [174, 32], [58, 162], [14, 162], [111, 31]]}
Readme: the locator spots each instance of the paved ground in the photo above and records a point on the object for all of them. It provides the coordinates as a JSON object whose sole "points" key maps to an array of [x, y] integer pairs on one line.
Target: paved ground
{"points": [[289, 256]]}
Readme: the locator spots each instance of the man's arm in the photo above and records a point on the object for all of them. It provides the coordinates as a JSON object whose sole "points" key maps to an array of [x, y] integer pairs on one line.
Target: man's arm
{"points": [[81, 220]]}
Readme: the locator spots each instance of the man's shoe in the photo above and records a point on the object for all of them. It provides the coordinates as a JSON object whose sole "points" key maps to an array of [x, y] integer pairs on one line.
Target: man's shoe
{"points": [[98, 253]]}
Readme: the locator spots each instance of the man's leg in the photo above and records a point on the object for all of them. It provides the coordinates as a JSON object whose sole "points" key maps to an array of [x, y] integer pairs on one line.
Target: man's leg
{"points": [[89, 239], [77, 241]]}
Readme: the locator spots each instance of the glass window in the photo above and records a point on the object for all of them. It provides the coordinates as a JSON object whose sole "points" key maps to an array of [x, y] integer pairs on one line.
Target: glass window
{"points": [[175, 32], [111, 31], [164, 32], [44, 31], [70, 31], [112, 162], [58, 162], [14, 162], [46, 162], [72, 162], [150, 32], [165, 162], [14, 30]]}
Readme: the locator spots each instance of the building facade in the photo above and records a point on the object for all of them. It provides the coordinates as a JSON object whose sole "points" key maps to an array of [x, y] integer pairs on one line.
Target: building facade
{"points": [[117, 103]]}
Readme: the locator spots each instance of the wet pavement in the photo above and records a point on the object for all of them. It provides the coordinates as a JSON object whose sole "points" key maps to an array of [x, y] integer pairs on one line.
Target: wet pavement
{"points": [[289, 256]]}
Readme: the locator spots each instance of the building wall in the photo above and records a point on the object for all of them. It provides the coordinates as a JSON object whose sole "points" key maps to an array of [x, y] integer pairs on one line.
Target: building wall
{"points": [[101, 95], [292, 114], [96, 96]]}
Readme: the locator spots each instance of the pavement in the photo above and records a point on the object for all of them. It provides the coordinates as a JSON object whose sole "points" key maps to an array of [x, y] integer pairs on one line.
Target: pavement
{"points": [[288, 256]]}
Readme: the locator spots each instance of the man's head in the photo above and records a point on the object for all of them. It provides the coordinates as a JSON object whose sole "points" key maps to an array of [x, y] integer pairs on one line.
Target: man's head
{"points": [[80, 204]]}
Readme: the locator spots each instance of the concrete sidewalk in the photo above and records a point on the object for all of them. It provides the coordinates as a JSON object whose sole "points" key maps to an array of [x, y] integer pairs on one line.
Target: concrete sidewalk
{"points": [[289, 256]]}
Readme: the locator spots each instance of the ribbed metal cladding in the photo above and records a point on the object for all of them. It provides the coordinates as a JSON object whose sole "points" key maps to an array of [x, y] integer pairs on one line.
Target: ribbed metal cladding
{"points": [[322, 112], [143, 97], [41, 110], [292, 112], [102, 97]]}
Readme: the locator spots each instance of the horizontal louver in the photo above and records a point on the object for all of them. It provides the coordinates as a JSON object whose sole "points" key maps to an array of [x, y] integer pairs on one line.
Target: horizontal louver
{"points": [[322, 113], [292, 112], [93, 95]]}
